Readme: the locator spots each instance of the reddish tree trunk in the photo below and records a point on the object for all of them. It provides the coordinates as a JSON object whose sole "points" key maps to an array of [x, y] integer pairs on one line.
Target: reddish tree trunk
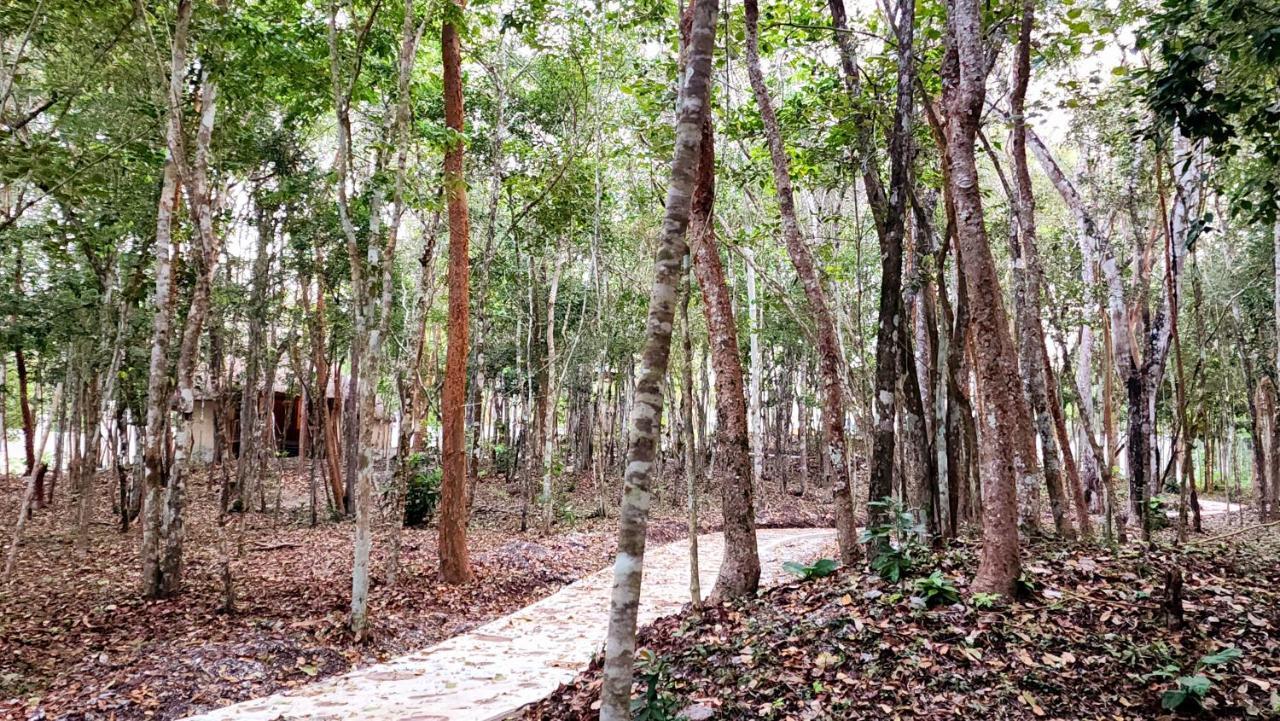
{"points": [[740, 571], [455, 566]]}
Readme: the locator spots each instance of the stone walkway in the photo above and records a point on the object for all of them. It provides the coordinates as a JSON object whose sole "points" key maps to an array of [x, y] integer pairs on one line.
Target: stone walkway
{"points": [[515, 660]]}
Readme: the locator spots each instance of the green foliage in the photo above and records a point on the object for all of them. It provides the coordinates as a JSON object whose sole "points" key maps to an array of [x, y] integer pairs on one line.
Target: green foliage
{"points": [[937, 590], [894, 542], [1157, 512], [1187, 690], [985, 600], [1215, 79], [821, 568], [422, 493], [656, 704], [1190, 691]]}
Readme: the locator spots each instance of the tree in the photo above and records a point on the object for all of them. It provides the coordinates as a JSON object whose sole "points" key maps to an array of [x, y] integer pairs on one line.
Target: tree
{"points": [[615, 694], [153, 580], [740, 570], [455, 566], [829, 355], [1005, 415]]}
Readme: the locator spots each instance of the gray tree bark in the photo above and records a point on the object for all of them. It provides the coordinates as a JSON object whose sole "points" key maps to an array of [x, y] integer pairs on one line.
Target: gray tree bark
{"points": [[615, 701]]}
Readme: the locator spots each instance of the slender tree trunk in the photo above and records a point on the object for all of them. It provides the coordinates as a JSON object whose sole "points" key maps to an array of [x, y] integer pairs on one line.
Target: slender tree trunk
{"points": [[251, 378], [829, 356], [154, 478], [1028, 272], [1269, 510], [455, 565], [690, 452], [754, 413], [740, 570], [615, 700], [204, 258], [28, 420], [550, 405], [29, 490]]}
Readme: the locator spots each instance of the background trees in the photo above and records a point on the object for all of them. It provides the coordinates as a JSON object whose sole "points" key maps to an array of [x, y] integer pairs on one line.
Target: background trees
{"points": [[236, 214]]}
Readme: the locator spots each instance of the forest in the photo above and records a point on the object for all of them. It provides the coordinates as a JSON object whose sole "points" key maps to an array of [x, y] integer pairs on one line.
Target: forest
{"points": [[586, 359]]}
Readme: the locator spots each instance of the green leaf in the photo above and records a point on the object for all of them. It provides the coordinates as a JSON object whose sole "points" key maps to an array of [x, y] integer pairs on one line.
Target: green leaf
{"points": [[794, 568], [1225, 656], [1171, 700], [825, 567], [1196, 685]]}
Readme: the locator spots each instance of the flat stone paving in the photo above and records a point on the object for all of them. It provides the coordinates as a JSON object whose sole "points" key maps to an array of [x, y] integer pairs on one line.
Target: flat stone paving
{"points": [[515, 660]]}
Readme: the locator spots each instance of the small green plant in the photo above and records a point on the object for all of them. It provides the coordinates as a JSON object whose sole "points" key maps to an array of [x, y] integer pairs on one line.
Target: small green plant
{"points": [[1190, 691], [422, 493], [656, 704], [984, 600], [566, 514], [820, 568], [936, 590], [894, 542], [1157, 515]]}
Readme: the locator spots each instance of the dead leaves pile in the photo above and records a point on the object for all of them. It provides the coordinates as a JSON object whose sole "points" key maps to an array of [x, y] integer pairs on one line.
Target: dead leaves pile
{"points": [[1089, 641], [78, 642]]}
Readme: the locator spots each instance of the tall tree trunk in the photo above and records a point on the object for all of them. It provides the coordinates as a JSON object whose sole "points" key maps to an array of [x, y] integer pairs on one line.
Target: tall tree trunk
{"points": [[28, 419], [204, 258], [455, 566], [829, 356], [754, 414], [1269, 510], [1004, 414], [740, 570], [154, 477], [690, 452], [550, 405], [254, 349], [1029, 274], [615, 695], [28, 493]]}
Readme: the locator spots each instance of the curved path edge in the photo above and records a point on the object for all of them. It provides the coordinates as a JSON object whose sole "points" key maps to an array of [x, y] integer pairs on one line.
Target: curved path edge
{"points": [[506, 664]]}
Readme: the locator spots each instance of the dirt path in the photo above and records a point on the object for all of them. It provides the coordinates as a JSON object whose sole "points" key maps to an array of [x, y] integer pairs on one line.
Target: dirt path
{"points": [[517, 659]]}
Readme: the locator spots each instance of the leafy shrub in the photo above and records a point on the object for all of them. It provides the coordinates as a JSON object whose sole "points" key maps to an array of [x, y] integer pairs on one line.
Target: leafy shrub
{"points": [[504, 459], [1157, 514], [423, 492], [656, 704], [1190, 691], [936, 590], [820, 568], [894, 544]]}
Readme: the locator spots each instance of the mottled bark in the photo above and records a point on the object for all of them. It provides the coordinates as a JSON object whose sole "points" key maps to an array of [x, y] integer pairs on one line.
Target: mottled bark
{"points": [[740, 570], [1004, 413], [154, 474], [690, 452], [625, 600], [1027, 269], [829, 355], [754, 413], [203, 257]]}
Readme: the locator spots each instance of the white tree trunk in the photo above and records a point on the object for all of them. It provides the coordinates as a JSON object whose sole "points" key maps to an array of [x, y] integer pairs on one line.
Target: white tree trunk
{"points": [[615, 701], [754, 418]]}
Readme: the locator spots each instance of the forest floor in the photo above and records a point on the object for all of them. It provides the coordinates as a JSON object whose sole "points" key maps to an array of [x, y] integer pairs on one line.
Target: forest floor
{"points": [[1089, 638], [495, 670], [78, 642]]}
